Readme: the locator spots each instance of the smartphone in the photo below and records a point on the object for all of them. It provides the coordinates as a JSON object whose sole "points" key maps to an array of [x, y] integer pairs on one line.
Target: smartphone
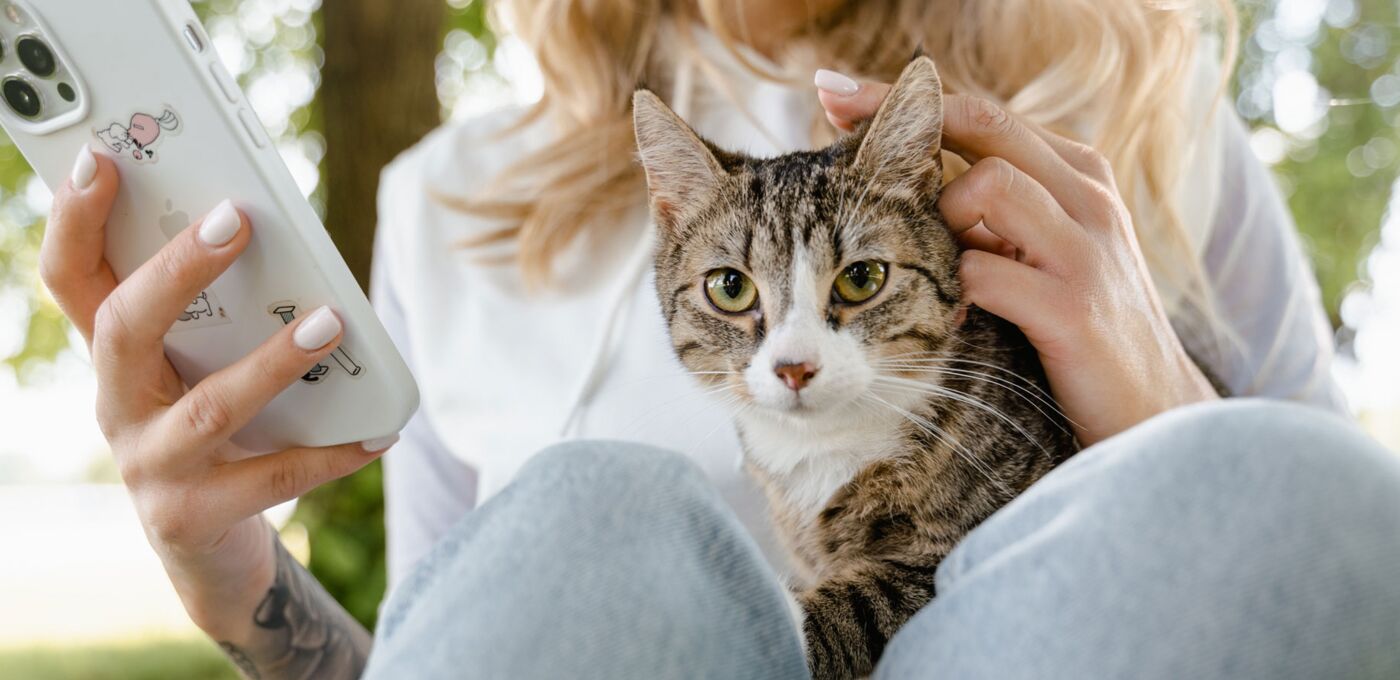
{"points": [[139, 82]]}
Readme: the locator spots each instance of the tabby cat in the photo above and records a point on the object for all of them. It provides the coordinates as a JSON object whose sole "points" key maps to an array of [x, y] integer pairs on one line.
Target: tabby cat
{"points": [[819, 290]]}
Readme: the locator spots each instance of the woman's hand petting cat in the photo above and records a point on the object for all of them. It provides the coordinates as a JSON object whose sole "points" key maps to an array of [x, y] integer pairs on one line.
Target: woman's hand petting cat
{"points": [[198, 496], [1051, 248]]}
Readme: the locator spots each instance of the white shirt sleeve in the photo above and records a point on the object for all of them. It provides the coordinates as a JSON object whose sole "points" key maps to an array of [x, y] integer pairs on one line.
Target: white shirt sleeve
{"points": [[1265, 287], [426, 488]]}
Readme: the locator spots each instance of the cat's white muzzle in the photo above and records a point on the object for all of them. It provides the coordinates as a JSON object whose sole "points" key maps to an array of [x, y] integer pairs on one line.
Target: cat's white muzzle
{"points": [[807, 370]]}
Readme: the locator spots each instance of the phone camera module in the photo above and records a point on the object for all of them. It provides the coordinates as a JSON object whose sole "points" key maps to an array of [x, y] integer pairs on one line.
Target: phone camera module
{"points": [[36, 56], [21, 97]]}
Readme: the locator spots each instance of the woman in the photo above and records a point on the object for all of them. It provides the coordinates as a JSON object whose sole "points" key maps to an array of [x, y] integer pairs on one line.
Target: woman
{"points": [[1191, 538]]}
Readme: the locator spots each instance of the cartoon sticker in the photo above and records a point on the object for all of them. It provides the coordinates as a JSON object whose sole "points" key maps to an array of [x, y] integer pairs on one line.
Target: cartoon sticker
{"points": [[199, 308], [287, 312], [141, 135], [201, 312]]}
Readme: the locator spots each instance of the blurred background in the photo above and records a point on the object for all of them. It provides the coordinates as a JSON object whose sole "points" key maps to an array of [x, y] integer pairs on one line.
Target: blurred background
{"points": [[81, 596]]}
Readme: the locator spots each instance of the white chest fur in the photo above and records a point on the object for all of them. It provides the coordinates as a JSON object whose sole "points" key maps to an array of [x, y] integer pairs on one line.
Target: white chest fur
{"points": [[809, 461]]}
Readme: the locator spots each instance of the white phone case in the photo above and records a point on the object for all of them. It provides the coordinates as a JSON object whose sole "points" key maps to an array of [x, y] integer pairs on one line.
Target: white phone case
{"points": [[152, 96]]}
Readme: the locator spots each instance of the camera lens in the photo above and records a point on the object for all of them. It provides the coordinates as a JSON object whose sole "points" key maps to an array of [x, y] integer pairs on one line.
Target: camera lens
{"points": [[22, 97], [36, 56]]}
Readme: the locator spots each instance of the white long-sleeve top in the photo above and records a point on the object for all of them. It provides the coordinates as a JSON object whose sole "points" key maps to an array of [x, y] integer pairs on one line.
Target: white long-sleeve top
{"points": [[504, 371]]}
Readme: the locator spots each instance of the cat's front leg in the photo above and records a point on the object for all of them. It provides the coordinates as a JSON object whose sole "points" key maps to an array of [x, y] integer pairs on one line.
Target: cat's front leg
{"points": [[848, 619]]}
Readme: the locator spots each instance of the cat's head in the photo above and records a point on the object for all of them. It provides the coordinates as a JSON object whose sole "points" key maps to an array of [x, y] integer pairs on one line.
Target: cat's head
{"points": [[796, 281]]}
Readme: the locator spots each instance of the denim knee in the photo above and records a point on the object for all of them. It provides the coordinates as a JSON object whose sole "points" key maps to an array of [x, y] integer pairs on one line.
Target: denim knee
{"points": [[605, 471], [1244, 539], [1228, 471], [1255, 445]]}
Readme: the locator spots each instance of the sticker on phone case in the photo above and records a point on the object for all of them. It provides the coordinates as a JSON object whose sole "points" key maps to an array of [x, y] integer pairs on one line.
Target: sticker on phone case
{"points": [[203, 311], [286, 310], [139, 137]]}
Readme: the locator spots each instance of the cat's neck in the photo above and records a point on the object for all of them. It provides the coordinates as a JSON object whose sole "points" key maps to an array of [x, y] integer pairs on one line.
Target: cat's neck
{"points": [[807, 460]]}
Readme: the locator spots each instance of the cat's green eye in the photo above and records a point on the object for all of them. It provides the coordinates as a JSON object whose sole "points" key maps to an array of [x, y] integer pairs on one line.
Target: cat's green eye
{"points": [[860, 281], [730, 290]]}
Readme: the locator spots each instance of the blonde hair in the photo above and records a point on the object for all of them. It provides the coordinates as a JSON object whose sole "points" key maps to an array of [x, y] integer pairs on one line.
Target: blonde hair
{"points": [[1119, 68]]}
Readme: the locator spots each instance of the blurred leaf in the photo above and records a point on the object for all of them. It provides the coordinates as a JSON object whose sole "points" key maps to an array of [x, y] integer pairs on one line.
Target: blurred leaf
{"points": [[1337, 203]]}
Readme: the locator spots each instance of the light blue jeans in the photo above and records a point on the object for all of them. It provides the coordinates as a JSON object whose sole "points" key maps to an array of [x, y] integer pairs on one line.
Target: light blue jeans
{"points": [[1245, 539]]}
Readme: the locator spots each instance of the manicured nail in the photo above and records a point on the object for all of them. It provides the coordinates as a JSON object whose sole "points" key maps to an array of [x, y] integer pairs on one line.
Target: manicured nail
{"points": [[836, 83], [374, 445], [220, 225], [84, 169], [317, 329]]}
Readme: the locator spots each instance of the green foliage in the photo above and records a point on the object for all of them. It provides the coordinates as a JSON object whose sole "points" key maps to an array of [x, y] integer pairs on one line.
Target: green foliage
{"points": [[21, 231], [1336, 185], [345, 523], [474, 18], [197, 659]]}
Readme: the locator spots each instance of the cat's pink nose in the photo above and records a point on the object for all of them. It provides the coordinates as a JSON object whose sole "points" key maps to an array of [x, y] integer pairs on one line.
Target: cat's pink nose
{"points": [[795, 374]]}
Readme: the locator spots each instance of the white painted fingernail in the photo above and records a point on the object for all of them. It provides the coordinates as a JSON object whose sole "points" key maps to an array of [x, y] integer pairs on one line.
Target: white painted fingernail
{"points": [[317, 329], [835, 83], [373, 445], [220, 225], [84, 169]]}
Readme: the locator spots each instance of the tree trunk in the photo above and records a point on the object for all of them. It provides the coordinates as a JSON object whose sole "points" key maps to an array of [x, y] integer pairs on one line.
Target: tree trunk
{"points": [[379, 97]]}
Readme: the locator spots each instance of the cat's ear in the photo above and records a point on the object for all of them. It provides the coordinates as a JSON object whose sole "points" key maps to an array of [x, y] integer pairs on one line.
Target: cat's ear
{"points": [[902, 144], [681, 169]]}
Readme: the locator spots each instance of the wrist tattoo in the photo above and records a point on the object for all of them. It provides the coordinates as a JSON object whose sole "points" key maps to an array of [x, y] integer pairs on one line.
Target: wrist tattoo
{"points": [[299, 631], [241, 661]]}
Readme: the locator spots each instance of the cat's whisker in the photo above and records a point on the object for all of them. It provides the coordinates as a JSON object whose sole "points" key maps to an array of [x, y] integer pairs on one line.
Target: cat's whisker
{"points": [[635, 426], [1029, 392], [907, 361], [670, 375], [939, 391], [730, 404], [1014, 381], [1035, 401], [944, 436], [955, 395], [933, 365], [734, 405]]}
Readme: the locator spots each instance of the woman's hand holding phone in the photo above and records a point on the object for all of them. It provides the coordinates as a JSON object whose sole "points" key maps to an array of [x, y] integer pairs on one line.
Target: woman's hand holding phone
{"points": [[198, 496]]}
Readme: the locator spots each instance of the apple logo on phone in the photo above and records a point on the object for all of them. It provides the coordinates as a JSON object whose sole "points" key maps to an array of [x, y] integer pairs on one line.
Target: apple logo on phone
{"points": [[173, 221], [205, 309]]}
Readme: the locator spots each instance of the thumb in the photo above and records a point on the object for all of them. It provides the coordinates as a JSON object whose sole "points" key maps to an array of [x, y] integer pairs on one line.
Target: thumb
{"points": [[847, 101]]}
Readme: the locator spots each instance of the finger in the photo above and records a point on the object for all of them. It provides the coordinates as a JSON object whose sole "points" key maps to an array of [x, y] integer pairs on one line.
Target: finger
{"points": [[981, 238], [1019, 293], [975, 129], [1011, 205], [1082, 157], [843, 125], [251, 486], [847, 100], [71, 259], [130, 325], [222, 403]]}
